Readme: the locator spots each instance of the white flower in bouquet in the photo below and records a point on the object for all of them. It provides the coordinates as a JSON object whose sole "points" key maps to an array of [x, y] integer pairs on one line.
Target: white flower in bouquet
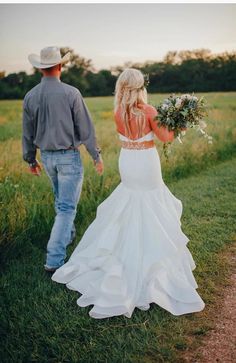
{"points": [[185, 96], [165, 106], [178, 103], [202, 124]]}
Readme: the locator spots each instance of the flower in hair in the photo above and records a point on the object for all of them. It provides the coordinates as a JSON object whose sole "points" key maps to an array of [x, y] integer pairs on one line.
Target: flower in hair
{"points": [[146, 81]]}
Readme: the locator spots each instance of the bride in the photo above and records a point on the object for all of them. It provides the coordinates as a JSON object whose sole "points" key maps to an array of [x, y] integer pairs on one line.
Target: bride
{"points": [[134, 252]]}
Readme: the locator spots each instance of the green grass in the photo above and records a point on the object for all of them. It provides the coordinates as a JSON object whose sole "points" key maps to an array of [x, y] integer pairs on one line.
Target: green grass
{"points": [[40, 319]]}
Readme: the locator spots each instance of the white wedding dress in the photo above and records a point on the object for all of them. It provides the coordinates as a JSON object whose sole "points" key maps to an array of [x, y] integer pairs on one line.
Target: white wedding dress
{"points": [[134, 252]]}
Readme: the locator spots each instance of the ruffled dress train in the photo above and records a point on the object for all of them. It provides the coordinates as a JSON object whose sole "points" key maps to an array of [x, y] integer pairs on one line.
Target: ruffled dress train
{"points": [[134, 252]]}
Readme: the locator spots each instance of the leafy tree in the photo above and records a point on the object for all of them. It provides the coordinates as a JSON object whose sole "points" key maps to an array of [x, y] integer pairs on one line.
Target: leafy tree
{"points": [[185, 71]]}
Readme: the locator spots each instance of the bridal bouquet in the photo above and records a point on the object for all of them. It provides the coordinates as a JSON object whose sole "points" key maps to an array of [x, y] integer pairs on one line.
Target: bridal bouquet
{"points": [[177, 113]]}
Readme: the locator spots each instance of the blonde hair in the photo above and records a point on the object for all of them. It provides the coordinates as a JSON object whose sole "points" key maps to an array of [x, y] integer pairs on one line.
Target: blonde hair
{"points": [[129, 92]]}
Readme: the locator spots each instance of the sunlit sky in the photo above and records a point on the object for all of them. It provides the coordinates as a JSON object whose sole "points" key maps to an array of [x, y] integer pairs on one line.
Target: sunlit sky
{"points": [[111, 34]]}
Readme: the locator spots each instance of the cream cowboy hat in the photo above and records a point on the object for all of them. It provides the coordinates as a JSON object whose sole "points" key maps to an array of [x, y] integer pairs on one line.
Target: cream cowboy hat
{"points": [[49, 57]]}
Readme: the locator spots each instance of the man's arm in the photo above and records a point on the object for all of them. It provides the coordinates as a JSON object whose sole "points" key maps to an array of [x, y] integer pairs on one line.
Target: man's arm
{"points": [[29, 149], [84, 127]]}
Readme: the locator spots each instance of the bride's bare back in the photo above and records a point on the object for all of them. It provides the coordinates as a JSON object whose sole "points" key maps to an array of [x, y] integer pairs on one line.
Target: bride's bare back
{"points": [[151, 125]]}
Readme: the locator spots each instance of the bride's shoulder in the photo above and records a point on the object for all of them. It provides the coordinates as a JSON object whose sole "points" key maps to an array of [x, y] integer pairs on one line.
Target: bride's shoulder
{"points": [[150, 110], [146, 107]]}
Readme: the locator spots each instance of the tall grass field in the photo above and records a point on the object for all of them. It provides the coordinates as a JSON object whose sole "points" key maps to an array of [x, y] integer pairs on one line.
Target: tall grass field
{"points": [[40, 320]]}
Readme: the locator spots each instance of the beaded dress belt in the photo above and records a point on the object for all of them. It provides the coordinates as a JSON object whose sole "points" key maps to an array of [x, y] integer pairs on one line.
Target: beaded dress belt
{"points": [[137, 145]]}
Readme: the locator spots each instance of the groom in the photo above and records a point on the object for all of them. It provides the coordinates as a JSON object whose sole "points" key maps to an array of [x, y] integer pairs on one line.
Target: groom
{"points": [[57, 121]]}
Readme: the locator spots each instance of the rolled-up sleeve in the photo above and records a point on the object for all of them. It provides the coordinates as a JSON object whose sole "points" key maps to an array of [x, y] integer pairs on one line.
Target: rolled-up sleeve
{"points": [[84, 126], [28, 147]]}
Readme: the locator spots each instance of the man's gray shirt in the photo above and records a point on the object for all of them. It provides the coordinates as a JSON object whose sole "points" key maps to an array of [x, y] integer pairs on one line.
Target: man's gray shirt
{"points": [[55, 117]]}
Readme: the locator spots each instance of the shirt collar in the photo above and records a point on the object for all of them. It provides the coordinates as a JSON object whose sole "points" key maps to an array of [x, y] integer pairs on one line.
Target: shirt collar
{"points": [[50, 78]]}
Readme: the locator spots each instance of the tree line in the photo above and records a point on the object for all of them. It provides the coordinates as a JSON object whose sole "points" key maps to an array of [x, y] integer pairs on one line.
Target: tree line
{"points": [[180, 71]]}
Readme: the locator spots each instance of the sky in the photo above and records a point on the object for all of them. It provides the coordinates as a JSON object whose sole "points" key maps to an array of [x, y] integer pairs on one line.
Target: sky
{"points": [[112, 34]]}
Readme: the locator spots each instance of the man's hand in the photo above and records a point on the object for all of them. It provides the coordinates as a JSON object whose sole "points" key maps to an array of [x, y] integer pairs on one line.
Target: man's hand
{"points": [[99, 166], [35, 168]]}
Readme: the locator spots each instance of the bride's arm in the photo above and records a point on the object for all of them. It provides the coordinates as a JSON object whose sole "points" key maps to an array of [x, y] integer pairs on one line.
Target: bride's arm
{"points": [[162, 132]]}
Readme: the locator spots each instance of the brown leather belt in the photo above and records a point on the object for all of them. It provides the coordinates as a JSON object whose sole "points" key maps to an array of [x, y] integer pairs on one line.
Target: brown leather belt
{"points": [[72, 147], [137, 145]]}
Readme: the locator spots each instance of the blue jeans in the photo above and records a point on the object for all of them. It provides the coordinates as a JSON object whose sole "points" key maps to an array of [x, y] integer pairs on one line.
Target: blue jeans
{"points": [[65, 171]]}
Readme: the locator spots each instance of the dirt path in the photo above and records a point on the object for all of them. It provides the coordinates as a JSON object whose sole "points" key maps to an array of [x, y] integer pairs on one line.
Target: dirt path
{"points": [[219, 344]]}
